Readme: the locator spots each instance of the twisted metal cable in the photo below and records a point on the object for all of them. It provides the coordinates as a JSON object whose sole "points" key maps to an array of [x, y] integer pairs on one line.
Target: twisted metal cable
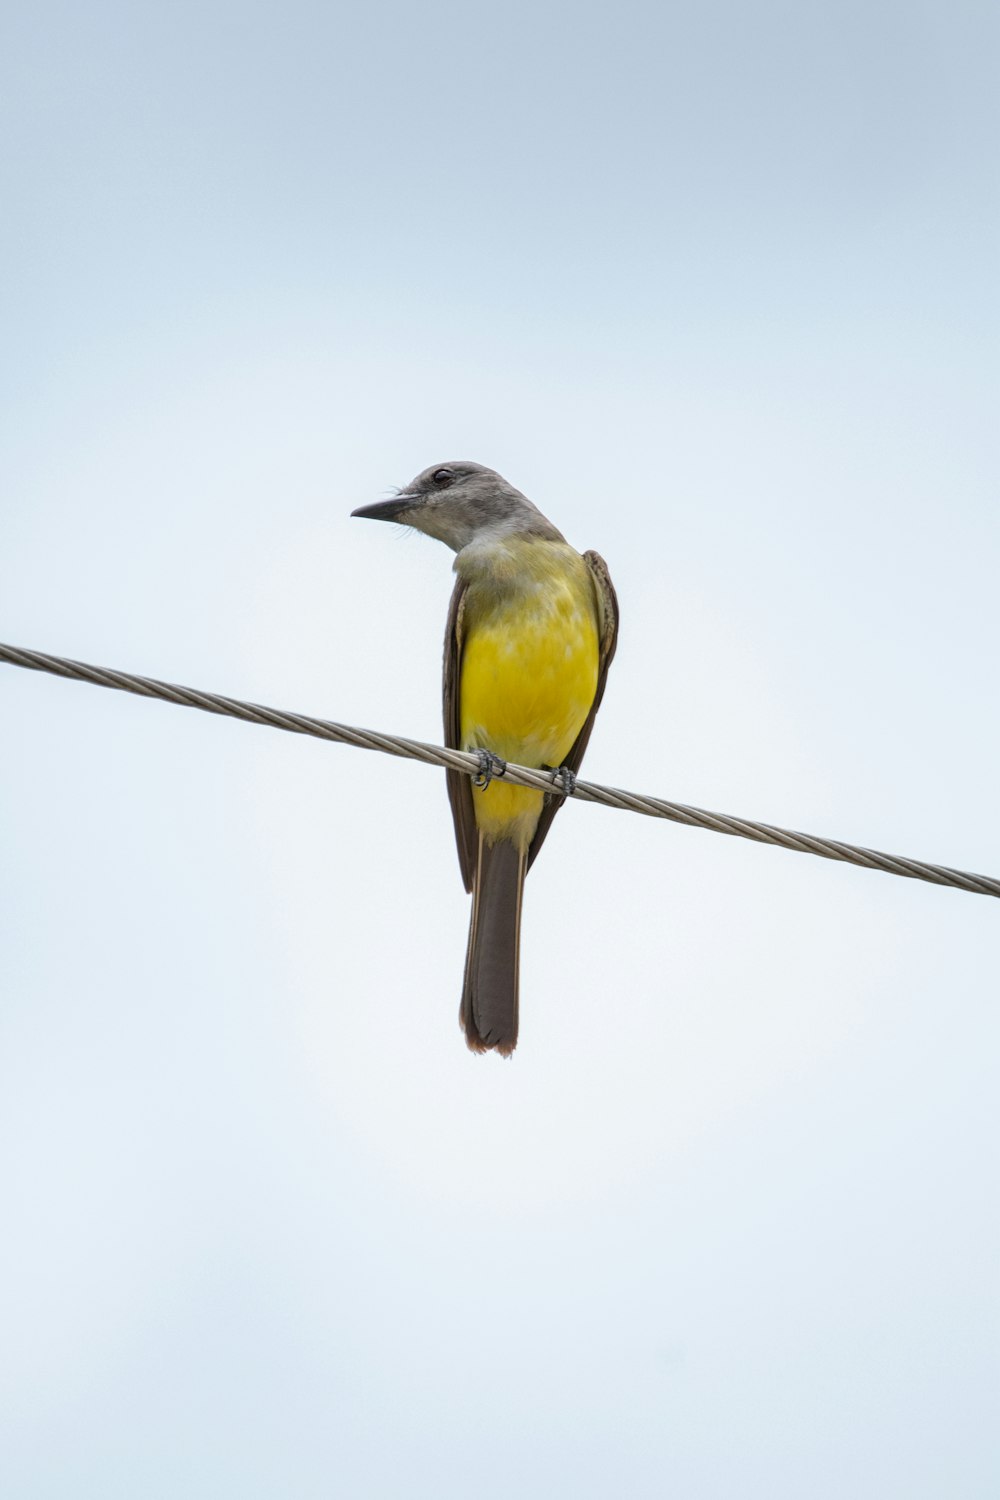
{"points": [[458, 760]]}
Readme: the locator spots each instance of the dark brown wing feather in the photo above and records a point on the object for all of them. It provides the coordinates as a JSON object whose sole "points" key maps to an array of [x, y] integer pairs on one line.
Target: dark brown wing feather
{"points": [[459, 786], [607, 610]]}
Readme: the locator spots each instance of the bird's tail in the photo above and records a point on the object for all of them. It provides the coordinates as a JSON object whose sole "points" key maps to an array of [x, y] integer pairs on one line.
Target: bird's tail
{"points": [[489, 997]]}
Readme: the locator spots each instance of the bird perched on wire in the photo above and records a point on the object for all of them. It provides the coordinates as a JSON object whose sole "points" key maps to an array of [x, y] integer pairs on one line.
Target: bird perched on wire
{"points": [[531, 632]]}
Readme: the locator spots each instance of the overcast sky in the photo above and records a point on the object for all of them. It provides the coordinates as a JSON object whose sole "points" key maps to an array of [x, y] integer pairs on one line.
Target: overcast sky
{"points": [[715, 285]]}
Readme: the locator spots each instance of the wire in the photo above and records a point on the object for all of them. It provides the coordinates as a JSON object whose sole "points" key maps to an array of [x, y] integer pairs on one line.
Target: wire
{"points": [[458, 760]]}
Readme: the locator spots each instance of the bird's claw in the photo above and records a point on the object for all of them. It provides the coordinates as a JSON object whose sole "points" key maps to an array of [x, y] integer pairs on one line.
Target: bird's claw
{"points": [[564, 780], [490, 766]]}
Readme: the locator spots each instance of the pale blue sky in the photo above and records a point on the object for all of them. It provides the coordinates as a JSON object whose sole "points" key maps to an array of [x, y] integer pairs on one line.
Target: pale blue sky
{"points": [[716, 286]]}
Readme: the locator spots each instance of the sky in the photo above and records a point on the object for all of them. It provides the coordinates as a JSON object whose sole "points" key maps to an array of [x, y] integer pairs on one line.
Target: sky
{"points": [[715, 286]]}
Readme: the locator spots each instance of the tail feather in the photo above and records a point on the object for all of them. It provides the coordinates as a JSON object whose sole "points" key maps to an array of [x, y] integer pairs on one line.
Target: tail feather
{"points": [[489, 997]]}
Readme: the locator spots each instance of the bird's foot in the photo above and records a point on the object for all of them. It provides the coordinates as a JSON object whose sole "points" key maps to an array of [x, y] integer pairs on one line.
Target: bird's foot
{"points": [[490, 766], [563, 779]]}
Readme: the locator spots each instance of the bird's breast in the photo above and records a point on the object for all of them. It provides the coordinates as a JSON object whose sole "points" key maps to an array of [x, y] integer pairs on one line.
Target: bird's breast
{"points": [[530, 656]]}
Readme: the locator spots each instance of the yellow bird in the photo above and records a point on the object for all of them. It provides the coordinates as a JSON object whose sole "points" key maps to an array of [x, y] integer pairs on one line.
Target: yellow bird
{"points": [[531, 632]]}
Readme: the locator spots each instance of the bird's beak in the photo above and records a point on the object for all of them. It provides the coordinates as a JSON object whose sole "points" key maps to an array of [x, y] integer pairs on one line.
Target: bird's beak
{"points": [[388, 510]]}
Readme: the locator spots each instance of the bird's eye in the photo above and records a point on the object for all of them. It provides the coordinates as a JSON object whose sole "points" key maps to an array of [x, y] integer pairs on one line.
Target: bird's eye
{"points": [[442, 476]]}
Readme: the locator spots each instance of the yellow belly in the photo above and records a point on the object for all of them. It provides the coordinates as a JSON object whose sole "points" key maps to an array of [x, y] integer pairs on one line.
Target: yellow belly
{"points": [[529, 675]]}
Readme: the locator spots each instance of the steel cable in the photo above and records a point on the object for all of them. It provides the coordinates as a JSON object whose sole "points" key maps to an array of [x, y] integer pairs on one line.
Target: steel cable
{"points": [[458, 760]]}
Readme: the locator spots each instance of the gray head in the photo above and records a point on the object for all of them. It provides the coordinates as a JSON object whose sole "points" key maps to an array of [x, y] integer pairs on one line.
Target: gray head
{"points": [[461, 503]]}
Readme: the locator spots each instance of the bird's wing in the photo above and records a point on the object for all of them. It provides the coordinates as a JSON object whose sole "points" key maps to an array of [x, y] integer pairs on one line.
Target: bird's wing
{"points": [[459, 785], [607, 640]]}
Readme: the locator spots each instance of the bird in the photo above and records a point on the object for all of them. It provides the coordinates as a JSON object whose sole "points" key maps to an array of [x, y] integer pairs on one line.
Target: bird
{"points": [[532, 629]]}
